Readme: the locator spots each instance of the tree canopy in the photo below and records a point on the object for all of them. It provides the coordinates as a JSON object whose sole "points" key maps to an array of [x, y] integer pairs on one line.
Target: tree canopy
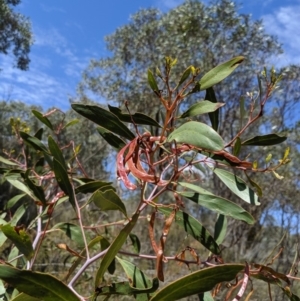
{"points": [[15, 33]]}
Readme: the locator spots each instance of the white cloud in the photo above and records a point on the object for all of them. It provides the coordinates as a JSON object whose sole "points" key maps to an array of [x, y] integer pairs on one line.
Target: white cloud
{"points": [[285, 23]]}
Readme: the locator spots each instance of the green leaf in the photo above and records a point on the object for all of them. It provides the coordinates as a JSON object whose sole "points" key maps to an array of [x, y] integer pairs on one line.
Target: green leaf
{"points": [[213, 116], [185, 75], [104, 245], [111, 138], [215, 203], [63, 181], [92, 186], [152, 82], [71, 123], [265, 140], [220, 72], [17, 215], [197, 134], [72, 231], [135, 276], [124, 288], [56, 152], [202, 107], [108, 200], [238, 186], [19, 185], [197, 282], [137, 118], [205, 296], [114, 248], [43, 119], [20, 238], [14, 200], [38, 191], [220, 228], [237, 146], [7, 162], [135, 242], [103, 118], [24, 297], [39, 285], [194, 228]]}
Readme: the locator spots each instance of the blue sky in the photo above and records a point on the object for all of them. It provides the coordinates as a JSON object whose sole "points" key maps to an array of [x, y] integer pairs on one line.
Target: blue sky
{"points": [[69, 33]]}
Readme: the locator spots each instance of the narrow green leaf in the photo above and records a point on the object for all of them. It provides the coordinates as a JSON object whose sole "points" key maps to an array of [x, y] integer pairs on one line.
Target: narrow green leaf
{"points": [[202, 107], [104, 245], [21, 186], [39, 134], [56, 152], [92, 186], [136, 277], [14, 200], [237, 146], [254, 184], [205, 296], [195, 89], [220, 228], [152, 82], [124, 288], [7, 162], [108, 200], [220, 72], [38, 191], [213, 116], [215, 203], [63, 181], [185, 75], [34, 142], [238, 186], [137, 118], [103, 118], [17, 215], [135, 242], [39, 285], [24, 297], [20, 238], [193, 228], [114, 248], [265, 140], [71, 123], [111, 138], [200, 281], [43, 119], [197, 134], [72, 231]]}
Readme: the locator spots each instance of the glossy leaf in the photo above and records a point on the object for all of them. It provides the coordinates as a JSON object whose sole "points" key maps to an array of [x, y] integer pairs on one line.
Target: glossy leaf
{"points": [[220, 72], [193, 228], [220, 228], [124, 288], [135, 242], [111, 138], [38, 191], [63, 181], [215, 203], [20, 238], [213, 116], [56, 152], [108, 200], [238, 186], [34, 142], [92, 186], [137, 118], [197, 134], [39, 285], [72, 231], [104, 118], [43, 119], [197, 282], [202, 107], [152, 82], [265, 140], [19, 185], [114, 248]]}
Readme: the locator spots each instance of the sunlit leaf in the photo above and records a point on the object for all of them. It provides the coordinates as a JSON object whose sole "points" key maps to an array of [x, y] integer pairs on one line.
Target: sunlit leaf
{"points": [[92, 186], [43, 119], [21, 186], [71, 230], [39, 285], [14, 200], [197, 134], [20, 238], [238, 186], [71, 123], [193, 228], [56, 152], [215, 203], [202, 107], [265, 140], [220, 72], [197, 282], [103, 118], [7, 162]]}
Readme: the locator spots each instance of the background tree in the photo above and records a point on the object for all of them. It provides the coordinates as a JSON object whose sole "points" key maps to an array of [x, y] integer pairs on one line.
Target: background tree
{"points": [[15, 33]]}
